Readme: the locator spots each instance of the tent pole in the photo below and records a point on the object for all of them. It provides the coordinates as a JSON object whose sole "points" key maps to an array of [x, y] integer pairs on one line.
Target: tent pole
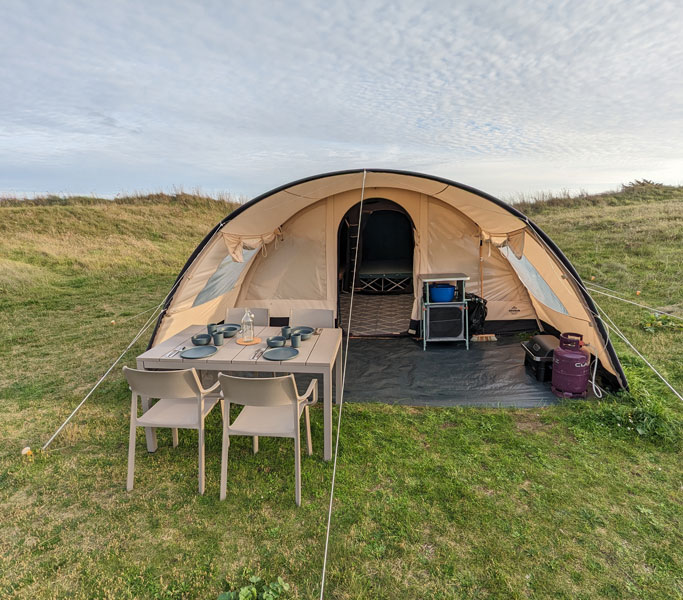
{"points": [[481, 265]]}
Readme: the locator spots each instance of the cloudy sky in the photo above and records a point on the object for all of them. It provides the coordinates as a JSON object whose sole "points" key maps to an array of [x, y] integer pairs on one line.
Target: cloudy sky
{"points": [[106, 97]]}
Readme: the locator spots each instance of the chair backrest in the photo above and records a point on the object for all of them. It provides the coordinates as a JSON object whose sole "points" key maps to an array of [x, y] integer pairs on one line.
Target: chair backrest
{"points": [[259, 391], [164, 384], [311, 317], [261, 316]]}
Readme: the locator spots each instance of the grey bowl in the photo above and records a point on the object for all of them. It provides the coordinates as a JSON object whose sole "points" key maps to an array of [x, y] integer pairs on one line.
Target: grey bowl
{"points": [[276, 341], [228, 330], [305, 332], [201, 339]]}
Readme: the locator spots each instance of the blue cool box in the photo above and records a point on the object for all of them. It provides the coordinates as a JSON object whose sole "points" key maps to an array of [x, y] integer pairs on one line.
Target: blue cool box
{"points": [[441, 292]]}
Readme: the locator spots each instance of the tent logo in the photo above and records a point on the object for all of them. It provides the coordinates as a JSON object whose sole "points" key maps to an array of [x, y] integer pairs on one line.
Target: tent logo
{"points": [[514, 310]]}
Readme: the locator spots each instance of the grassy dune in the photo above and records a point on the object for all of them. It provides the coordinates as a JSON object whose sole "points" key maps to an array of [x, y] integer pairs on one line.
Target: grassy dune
{"points": [[564, 502]]}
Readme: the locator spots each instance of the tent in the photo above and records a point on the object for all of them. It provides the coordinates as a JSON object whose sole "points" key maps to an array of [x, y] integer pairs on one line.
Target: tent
{"points": [[290, 248]]}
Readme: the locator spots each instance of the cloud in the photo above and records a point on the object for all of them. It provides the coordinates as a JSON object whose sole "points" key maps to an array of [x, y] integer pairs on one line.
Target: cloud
{"points": [[246, 96]]}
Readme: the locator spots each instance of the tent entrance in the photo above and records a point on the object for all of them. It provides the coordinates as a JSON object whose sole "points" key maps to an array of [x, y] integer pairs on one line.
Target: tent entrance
{"points": [[383, 283], [385, 242]]}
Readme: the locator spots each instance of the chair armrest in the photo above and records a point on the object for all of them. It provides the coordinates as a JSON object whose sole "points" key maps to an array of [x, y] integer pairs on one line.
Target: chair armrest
{"points": [[213, 388], [312, 389]]}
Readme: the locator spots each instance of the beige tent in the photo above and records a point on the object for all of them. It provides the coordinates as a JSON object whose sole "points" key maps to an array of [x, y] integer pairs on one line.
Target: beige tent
{"points": [[280, 251]]}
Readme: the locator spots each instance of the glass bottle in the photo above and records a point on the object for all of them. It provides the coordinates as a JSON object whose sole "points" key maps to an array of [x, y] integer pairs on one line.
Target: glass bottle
{"points": [[248, 326]]}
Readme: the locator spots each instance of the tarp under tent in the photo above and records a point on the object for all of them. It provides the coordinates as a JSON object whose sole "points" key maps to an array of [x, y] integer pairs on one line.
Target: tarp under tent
{"points": [[290, 247]]}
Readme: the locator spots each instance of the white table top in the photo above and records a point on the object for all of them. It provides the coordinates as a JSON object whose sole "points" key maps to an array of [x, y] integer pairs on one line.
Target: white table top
{"points": [[319, 350], [427, 277]]}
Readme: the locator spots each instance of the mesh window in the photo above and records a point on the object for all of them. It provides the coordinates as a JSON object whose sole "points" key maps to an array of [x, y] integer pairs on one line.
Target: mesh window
{"points": [[224, 278], [532, 280]]}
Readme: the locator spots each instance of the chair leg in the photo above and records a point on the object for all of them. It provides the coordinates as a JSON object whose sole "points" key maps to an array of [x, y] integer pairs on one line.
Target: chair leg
{"points": [[201, 459], [131, 456], [297, 470], [255, 444], [224, 458], [174, 436], [307, 419], [150, 432]]}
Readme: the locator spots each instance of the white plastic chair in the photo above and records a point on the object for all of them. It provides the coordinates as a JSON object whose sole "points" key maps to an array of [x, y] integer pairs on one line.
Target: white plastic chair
{"points": [[183, 404], [311, 317], [261, 316], [272, 408]]}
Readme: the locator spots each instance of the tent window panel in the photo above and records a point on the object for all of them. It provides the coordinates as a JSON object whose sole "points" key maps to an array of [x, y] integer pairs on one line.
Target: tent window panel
{"points": [[533, 281], [224, 278]]}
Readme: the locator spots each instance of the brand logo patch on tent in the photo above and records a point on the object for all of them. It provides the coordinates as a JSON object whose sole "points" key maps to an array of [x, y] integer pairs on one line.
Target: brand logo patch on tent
{"points": [[514, 310]]}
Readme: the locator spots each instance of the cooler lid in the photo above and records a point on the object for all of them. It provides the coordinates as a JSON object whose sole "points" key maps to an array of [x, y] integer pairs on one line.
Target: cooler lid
{"points": [[543, 345]]}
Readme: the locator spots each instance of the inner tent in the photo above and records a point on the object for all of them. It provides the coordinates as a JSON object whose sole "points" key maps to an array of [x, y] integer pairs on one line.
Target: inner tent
{"points": [[375, 259]]}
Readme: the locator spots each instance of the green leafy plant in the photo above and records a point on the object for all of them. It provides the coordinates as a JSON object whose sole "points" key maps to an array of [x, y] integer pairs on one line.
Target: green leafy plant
{"points": [[258, 589], [625, 415], [655, 322]]}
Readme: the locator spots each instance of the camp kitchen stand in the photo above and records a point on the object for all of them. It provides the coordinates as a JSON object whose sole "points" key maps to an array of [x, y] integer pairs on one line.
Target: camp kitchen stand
{"points": [[444, 321], [317, 356]]}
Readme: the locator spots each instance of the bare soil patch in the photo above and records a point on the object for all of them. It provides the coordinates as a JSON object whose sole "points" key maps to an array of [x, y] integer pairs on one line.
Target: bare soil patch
{"points": [[530, 422]]}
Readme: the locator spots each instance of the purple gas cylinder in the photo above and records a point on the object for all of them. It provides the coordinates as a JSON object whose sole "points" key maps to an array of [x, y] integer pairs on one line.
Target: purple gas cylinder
{"points": [[571, 367]]}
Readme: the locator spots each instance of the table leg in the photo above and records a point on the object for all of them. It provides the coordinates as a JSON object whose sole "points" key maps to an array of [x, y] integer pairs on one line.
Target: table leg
{"points": [[338, 380], [150, 432], [467, 326], [327, 411]]}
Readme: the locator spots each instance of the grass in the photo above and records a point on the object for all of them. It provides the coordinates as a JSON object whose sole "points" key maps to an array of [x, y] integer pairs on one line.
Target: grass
{"points": [[561, 502]]}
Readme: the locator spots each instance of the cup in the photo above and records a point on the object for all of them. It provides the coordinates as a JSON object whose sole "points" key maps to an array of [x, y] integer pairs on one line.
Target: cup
{"points": [[286, 332], [296, 340], [217, 338], [211, 328]]}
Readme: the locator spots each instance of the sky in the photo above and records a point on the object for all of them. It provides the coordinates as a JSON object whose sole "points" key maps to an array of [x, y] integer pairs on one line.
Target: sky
{"points": [[109, 97]]}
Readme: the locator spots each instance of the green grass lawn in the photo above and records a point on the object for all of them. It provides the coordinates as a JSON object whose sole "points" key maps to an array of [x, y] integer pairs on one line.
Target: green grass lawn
{"points": [[561, 502]]}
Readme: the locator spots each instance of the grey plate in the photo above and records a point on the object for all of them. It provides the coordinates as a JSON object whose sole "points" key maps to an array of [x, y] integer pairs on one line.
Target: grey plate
{"points": [[199, 352], [306, 332], [280, 353]]}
